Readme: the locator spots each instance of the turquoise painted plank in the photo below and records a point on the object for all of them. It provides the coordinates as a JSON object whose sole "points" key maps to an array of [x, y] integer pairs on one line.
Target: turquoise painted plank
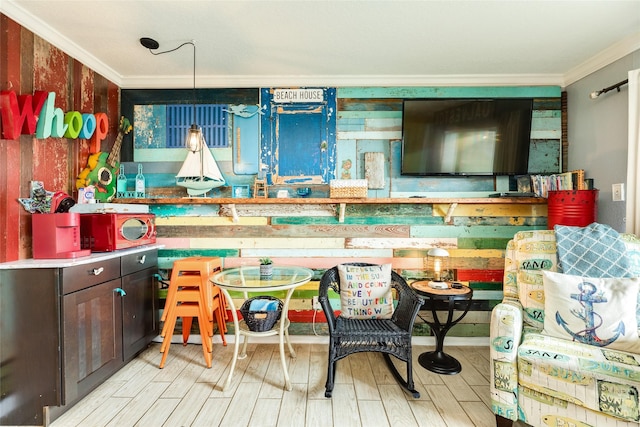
{"points": [[188, 252], [449, 92], [356, 220], [366, 114], [184, 210], [383, 124], [544, 156], [246, 150], [347, 160], [352, 126], [537, 114], [354, 121], [546, 124]]}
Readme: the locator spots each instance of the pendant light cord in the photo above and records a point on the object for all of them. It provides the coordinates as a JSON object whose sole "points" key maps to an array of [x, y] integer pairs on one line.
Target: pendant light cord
{"points": [[192, 43]]}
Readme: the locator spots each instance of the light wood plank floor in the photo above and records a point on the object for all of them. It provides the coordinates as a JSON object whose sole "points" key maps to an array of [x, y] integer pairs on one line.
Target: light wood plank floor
{"points": [[186, 393]]}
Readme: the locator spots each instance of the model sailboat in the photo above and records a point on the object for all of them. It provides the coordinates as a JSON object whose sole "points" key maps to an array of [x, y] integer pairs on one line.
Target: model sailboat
{"points": [[199, 173]]}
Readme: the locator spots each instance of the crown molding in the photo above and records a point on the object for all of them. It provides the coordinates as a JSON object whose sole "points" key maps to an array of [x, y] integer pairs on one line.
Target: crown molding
{"points": [[248, 81], [619, 50], [39, 27]]}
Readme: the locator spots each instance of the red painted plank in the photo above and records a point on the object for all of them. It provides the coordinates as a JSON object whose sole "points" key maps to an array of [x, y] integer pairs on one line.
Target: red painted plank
{"points": [[480, 275], [10, 210]]}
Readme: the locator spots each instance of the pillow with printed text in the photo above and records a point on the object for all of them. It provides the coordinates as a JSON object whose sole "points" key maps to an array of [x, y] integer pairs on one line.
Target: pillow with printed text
{"points": [[365, 291]]}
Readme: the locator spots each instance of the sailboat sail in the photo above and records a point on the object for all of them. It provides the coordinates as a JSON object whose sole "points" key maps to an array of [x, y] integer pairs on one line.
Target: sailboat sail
{"points": [[199, 173]]}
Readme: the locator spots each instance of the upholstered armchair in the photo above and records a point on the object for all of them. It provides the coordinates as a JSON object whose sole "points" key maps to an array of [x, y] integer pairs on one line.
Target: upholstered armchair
{"points": [[545, 378]]}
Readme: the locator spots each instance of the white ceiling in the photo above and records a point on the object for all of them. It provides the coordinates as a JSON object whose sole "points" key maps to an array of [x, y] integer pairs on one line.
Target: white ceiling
{"points": [[266, 43]]}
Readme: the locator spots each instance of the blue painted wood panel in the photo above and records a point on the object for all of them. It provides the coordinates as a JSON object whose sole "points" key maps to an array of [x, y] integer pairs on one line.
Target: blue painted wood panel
{"points": [[298, 139], [246, 142]]}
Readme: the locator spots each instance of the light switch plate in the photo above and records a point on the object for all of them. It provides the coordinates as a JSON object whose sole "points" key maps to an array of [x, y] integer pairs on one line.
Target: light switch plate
{"points": [[617, 191]]}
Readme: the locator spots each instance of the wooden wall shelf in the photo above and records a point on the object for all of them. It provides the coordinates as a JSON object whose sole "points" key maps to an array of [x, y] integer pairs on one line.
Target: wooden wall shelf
{"points": [[232, 202], [305, 201]]}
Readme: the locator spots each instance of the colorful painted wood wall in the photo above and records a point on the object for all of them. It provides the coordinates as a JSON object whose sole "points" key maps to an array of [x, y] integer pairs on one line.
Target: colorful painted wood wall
{"points": [[369, 120], [28, 64]]}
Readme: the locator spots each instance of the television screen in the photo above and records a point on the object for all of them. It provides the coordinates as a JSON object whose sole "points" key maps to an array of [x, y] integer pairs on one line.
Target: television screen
{"points": [[466, 136]]}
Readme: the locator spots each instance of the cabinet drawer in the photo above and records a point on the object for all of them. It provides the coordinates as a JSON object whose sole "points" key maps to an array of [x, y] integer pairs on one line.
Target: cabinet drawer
{"points": [[139, 261], [85, 275]]}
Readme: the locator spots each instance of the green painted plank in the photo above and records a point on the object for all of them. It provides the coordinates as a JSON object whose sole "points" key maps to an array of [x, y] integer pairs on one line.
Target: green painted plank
{"points": [[449, 92], [483, 243], [388, 210], [467, 232], [526, 221]]}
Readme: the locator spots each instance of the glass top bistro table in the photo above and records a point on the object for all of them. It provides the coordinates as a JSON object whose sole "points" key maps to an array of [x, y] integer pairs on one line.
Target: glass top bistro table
{"points": [[248, 280]]}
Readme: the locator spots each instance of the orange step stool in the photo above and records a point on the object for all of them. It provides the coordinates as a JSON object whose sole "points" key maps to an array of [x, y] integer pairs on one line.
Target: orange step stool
{"points": [[192, 294]]}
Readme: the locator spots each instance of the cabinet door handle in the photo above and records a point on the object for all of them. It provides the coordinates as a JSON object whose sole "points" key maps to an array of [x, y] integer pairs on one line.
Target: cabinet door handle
{"points": [[97, 271], [142, 259], [120, 291]]}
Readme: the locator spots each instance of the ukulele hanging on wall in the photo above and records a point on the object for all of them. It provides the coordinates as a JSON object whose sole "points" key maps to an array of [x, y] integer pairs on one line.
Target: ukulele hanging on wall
{"points": [[102, 167]]}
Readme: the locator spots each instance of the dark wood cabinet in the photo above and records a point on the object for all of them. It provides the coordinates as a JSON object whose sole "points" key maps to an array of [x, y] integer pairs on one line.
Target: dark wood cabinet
{"points": [[140, 303], [66, 329]]}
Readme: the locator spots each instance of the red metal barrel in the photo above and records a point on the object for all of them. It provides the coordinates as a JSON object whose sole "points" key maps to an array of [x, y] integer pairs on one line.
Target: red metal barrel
{"points": [[578, 208]]}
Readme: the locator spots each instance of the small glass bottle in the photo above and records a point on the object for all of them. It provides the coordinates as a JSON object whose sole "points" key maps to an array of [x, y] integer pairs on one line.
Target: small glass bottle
{"points": [[140, 183], [121, 183]]}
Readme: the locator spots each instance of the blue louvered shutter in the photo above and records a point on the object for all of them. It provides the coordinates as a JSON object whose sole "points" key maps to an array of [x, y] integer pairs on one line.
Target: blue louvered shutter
{"points": [[210, 117]]}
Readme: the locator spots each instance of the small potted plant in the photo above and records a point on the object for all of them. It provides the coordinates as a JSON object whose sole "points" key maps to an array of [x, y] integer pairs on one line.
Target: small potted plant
{"points": [[266, 266]]}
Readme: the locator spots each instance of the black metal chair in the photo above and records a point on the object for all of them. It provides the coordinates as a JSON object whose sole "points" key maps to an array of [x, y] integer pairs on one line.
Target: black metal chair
{"points": [[387, 336]]}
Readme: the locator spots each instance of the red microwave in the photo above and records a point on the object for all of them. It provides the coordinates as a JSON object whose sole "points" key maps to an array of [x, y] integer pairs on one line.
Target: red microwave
{"points": [[106, 232]]}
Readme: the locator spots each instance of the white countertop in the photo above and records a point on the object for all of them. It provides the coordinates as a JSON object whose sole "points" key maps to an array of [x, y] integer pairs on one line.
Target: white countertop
{"points": [[64, 262]]}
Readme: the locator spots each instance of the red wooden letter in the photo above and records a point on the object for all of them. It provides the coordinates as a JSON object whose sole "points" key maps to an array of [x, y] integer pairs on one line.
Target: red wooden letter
{"points": [[19, 113], [102, 128]]}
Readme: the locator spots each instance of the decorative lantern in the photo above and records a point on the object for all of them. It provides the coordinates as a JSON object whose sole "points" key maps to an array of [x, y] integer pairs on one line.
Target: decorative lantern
{"points": [[437, 266]]}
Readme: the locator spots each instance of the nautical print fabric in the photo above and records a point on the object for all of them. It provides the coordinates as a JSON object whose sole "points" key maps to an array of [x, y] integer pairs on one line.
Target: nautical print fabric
{"points": [[593, 251], [555, 370], [506, 329], [549, 381], [535, 251], [595, 311], [365, 291]]}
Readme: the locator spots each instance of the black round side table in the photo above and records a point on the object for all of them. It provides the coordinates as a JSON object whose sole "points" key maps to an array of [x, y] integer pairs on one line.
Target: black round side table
{"points": [[449, 300]]}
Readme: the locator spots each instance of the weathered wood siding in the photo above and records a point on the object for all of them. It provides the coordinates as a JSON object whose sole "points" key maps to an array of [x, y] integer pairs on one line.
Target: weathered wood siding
{"points": [[378, 233], [370, 120], [27, 64]]}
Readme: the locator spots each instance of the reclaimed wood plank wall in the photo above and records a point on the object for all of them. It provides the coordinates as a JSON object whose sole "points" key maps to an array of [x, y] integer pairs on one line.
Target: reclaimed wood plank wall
{"points": [[312, 236], [27, 64], [369, 120]]}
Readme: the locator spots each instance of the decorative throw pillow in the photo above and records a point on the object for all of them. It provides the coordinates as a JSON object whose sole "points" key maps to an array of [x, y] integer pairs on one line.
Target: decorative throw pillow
{"points": [[593, 251], [365, 291], [595, 311]]}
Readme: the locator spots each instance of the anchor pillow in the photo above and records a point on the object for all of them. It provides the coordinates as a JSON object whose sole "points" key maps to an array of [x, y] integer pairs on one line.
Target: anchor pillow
{"points": [[594, 311]]}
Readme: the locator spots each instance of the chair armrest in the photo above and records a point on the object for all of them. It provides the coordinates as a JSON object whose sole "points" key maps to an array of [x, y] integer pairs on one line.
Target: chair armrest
{"points": [[409, 303], [504, 339]]}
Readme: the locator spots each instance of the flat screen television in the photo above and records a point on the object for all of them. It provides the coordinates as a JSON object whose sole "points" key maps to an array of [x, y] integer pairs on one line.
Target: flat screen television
{"points": [[466, 136]]}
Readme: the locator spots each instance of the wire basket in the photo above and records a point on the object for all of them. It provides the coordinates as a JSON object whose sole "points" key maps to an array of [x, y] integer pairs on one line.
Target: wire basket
{"points": [[260, 321]]}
